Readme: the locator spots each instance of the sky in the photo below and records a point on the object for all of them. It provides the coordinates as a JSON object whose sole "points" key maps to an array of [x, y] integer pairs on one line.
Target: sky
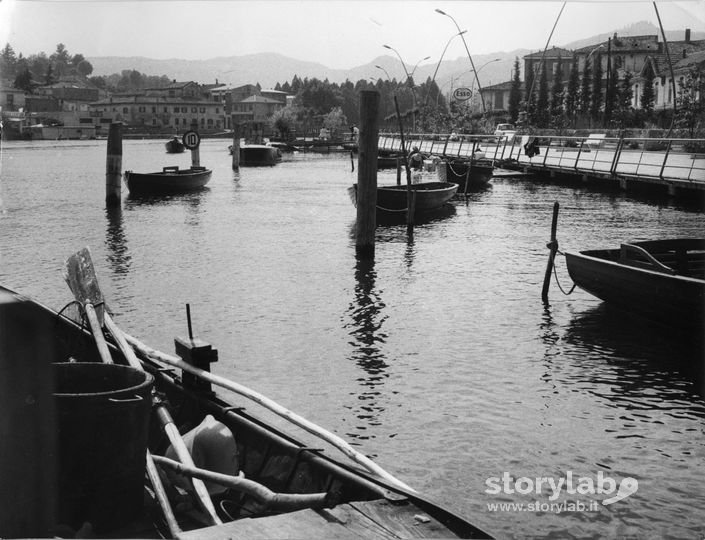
{"points": [[336, 33]]}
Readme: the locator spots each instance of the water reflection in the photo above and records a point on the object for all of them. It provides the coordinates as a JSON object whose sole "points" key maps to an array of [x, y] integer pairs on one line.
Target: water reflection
{"points": [[115, 241], [645, 357], [364, 320], [193, 201]]}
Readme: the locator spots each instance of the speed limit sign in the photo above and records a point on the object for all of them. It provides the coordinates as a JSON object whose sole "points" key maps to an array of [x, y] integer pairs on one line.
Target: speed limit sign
{"points": [[191, 140]]}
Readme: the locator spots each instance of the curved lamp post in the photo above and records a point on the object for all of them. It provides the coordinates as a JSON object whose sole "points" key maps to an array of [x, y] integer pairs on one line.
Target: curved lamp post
{"points": [[385, 72], [479, 87], [438, 65], [409, 79]]}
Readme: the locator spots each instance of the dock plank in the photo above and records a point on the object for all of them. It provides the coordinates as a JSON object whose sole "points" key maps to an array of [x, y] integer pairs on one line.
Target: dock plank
{"points": [[377, 519]]}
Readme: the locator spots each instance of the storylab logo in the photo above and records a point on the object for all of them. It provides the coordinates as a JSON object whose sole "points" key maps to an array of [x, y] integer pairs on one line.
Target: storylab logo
{"points": [[600, 486]]}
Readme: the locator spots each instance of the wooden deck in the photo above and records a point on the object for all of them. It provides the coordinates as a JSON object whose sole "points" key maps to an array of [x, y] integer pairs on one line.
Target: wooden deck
{"points": [[380, 519]]}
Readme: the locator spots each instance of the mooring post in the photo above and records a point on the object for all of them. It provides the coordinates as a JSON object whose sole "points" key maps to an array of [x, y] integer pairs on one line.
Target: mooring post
{"points": [[113, 165], [398, 171], [195, 153], [367, 174], [236, 144], [553, 247]]}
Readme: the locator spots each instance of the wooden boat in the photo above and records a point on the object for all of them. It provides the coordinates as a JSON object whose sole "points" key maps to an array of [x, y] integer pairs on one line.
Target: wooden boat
{"points": [[390, 161], [259, 481], [174, 146], [663, 280], [169, 180], [430, 196], [258, 154], [469, 175]]}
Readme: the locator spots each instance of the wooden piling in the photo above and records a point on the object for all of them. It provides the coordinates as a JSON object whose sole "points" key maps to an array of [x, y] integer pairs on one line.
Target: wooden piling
{"points": [[398, 171], [28, 497], [236, 144], [113, 166], [367, 174], [195, 153], [553, 247]]}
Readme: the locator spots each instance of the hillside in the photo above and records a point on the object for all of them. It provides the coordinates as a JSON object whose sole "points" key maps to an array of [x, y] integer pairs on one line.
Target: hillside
{"points": [[267, 69]]}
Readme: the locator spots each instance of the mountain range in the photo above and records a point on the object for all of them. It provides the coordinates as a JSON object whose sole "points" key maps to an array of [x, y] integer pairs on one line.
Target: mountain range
{"points": [[268, 69]]}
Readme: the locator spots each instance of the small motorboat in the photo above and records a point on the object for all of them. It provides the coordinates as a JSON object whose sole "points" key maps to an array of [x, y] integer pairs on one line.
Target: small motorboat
{"points": [[663, 280], [429, 196], [174, 146], [170, 180]]}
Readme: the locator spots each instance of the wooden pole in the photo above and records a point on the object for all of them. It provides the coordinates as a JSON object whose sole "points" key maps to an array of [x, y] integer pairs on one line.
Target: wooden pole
{"points": [[195, 153], [398, 171], [28, 455], [367, 174], [113, 166], [553, 246], [410, 198], [236, 144]]}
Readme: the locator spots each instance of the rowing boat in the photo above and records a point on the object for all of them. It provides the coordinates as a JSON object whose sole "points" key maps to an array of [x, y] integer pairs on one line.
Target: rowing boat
{"points": [[663, 280], [168, 180], [255, 480]]}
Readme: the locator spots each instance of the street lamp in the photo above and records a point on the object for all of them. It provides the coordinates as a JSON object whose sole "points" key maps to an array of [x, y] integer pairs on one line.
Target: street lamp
{"points": [[409, 80], [469, 56], [587, 59], [433, 79], [385, 72]]}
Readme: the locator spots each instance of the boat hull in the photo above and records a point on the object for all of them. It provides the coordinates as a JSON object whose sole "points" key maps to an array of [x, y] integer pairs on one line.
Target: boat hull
{"points": [[174, 146], [265, 455], [254, 155], [676, 299], [480, 174], [170, 180], [429, 196]]}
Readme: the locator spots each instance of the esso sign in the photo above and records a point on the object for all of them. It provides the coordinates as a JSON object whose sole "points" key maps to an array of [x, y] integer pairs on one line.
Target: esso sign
{"points": [[462, 94]]}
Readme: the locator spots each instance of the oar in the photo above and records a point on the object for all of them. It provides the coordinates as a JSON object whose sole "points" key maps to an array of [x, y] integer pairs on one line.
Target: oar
{"points": [[82, 280], [79, 275], [269, 404], [553, 246]]}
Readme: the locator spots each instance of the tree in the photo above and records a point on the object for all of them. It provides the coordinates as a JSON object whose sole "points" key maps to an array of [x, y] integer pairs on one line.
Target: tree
{"points": [[61, 59], [572, 94], [542, 112], [691, 102], [335, 120], [585, 89], [515, 93], [557, 91], [284, 121], [647, 94], [8, 61], [596, 90], [23, 81], [611, 95]]}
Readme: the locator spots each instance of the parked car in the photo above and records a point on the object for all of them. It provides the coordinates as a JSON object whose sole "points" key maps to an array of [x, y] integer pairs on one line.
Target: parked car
{"points": [[505, 130]]}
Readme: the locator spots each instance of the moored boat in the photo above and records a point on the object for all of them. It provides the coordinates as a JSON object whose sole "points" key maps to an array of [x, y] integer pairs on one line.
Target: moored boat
{"points": [[170, 180], [258, 154], [174, 146], [261, 482], [663, 280], [429, 196], [469, 175]]}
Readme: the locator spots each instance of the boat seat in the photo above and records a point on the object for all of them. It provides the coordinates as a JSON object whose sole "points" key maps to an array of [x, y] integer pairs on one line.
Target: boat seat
{"points": [[378, 519]]}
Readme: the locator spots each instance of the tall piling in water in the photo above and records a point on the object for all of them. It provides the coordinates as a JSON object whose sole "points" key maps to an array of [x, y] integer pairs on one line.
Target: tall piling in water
{"points": [[113, 166], [236, 144], [367, 174]]}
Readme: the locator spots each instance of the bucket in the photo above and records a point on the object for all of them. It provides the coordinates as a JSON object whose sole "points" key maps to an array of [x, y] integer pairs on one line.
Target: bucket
{"points": [[103, 421]]}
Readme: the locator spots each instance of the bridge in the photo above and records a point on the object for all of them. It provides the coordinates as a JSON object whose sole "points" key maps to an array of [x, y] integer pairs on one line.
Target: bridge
{"points": [[677, 164]]}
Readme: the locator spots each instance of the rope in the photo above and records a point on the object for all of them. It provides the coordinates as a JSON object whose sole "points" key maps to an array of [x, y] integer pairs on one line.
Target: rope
{"points": [[555, 275]]}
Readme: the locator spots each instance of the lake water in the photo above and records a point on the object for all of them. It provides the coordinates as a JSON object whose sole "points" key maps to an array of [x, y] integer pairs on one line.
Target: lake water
{"points": [[438, 359]]}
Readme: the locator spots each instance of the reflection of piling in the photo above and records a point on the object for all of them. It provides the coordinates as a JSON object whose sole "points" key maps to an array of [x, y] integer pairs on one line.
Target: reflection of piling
{"points": [[113, 166], [367, 173], [195, 154], [236, 144]]}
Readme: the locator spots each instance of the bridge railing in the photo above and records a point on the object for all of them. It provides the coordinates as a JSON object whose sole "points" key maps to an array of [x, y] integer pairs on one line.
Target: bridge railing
{"points": [[663, 159]]}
